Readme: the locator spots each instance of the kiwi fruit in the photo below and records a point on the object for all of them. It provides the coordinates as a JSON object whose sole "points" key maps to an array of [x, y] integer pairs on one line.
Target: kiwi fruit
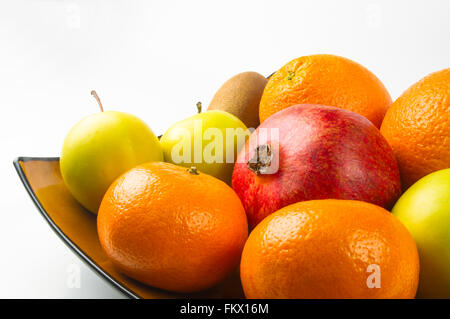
{"points": [[240, 96]]}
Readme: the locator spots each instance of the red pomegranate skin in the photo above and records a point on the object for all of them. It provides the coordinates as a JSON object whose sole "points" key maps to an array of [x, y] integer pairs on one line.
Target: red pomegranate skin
{"points": [[323, 152]]}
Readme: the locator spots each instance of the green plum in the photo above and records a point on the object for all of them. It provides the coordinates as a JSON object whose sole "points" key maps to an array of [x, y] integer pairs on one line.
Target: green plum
{"points": [[101, 147], [425, 210], [210, 141]]}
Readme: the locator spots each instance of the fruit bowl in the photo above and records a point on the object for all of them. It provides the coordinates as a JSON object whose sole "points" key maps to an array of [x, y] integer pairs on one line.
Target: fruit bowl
{"points": [[77, 228]]}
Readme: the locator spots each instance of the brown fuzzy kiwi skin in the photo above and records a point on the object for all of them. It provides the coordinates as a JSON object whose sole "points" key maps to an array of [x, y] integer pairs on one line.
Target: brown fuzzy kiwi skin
{"points": [[240, 96]]}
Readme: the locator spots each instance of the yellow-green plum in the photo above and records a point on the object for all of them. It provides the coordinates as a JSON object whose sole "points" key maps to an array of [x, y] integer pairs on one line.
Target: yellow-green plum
{"points": [[425, 210], [210, 141], [100, 148]]}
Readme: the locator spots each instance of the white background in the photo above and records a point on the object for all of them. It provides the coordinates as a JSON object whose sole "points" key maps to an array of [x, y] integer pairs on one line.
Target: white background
{"points": [[156, 59]]}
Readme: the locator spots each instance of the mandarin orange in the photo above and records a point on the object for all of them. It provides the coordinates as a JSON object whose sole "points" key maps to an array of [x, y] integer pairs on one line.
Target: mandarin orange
{"points": [[330, 249], [171, 227], [328, 80], [417, 127]]}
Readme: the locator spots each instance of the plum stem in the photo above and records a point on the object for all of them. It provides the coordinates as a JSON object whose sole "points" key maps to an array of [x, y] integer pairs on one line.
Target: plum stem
{"points": [[261, 160], [199, 107], [95, 95]]}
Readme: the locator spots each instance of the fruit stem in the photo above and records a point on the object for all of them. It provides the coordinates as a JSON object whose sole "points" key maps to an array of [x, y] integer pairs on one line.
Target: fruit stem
{"points": [[193, 170], [261, 160], [94, 94], [290, 75], [199, 107]]}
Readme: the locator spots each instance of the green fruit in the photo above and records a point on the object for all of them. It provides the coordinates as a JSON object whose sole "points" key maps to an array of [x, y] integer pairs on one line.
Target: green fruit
{"points": [[240, 96], [201, 141], [101, 147], [425, 210]]}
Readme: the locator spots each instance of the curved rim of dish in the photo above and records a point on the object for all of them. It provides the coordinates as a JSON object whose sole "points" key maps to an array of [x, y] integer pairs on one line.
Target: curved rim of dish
{"points": [[85, 258]]}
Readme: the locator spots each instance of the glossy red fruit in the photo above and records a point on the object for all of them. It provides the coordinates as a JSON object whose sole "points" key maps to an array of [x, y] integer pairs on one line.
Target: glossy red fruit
{"points": [[321, 152]]}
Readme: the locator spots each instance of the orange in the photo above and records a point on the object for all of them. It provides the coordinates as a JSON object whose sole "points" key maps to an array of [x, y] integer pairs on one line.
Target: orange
{"points": [[417, 126], [172, 228], [328, 80], [330, 249]]}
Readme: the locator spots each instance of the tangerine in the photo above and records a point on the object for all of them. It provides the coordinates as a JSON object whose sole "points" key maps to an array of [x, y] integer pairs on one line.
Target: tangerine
{"points": [[330, 249], [417, 127], [171, 227], [328, 80]]}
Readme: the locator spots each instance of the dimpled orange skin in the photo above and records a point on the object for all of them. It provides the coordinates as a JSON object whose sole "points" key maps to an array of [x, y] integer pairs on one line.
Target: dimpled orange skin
{"points": [[322, 249], [171, 229], [417, 127], [327, 80]]}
